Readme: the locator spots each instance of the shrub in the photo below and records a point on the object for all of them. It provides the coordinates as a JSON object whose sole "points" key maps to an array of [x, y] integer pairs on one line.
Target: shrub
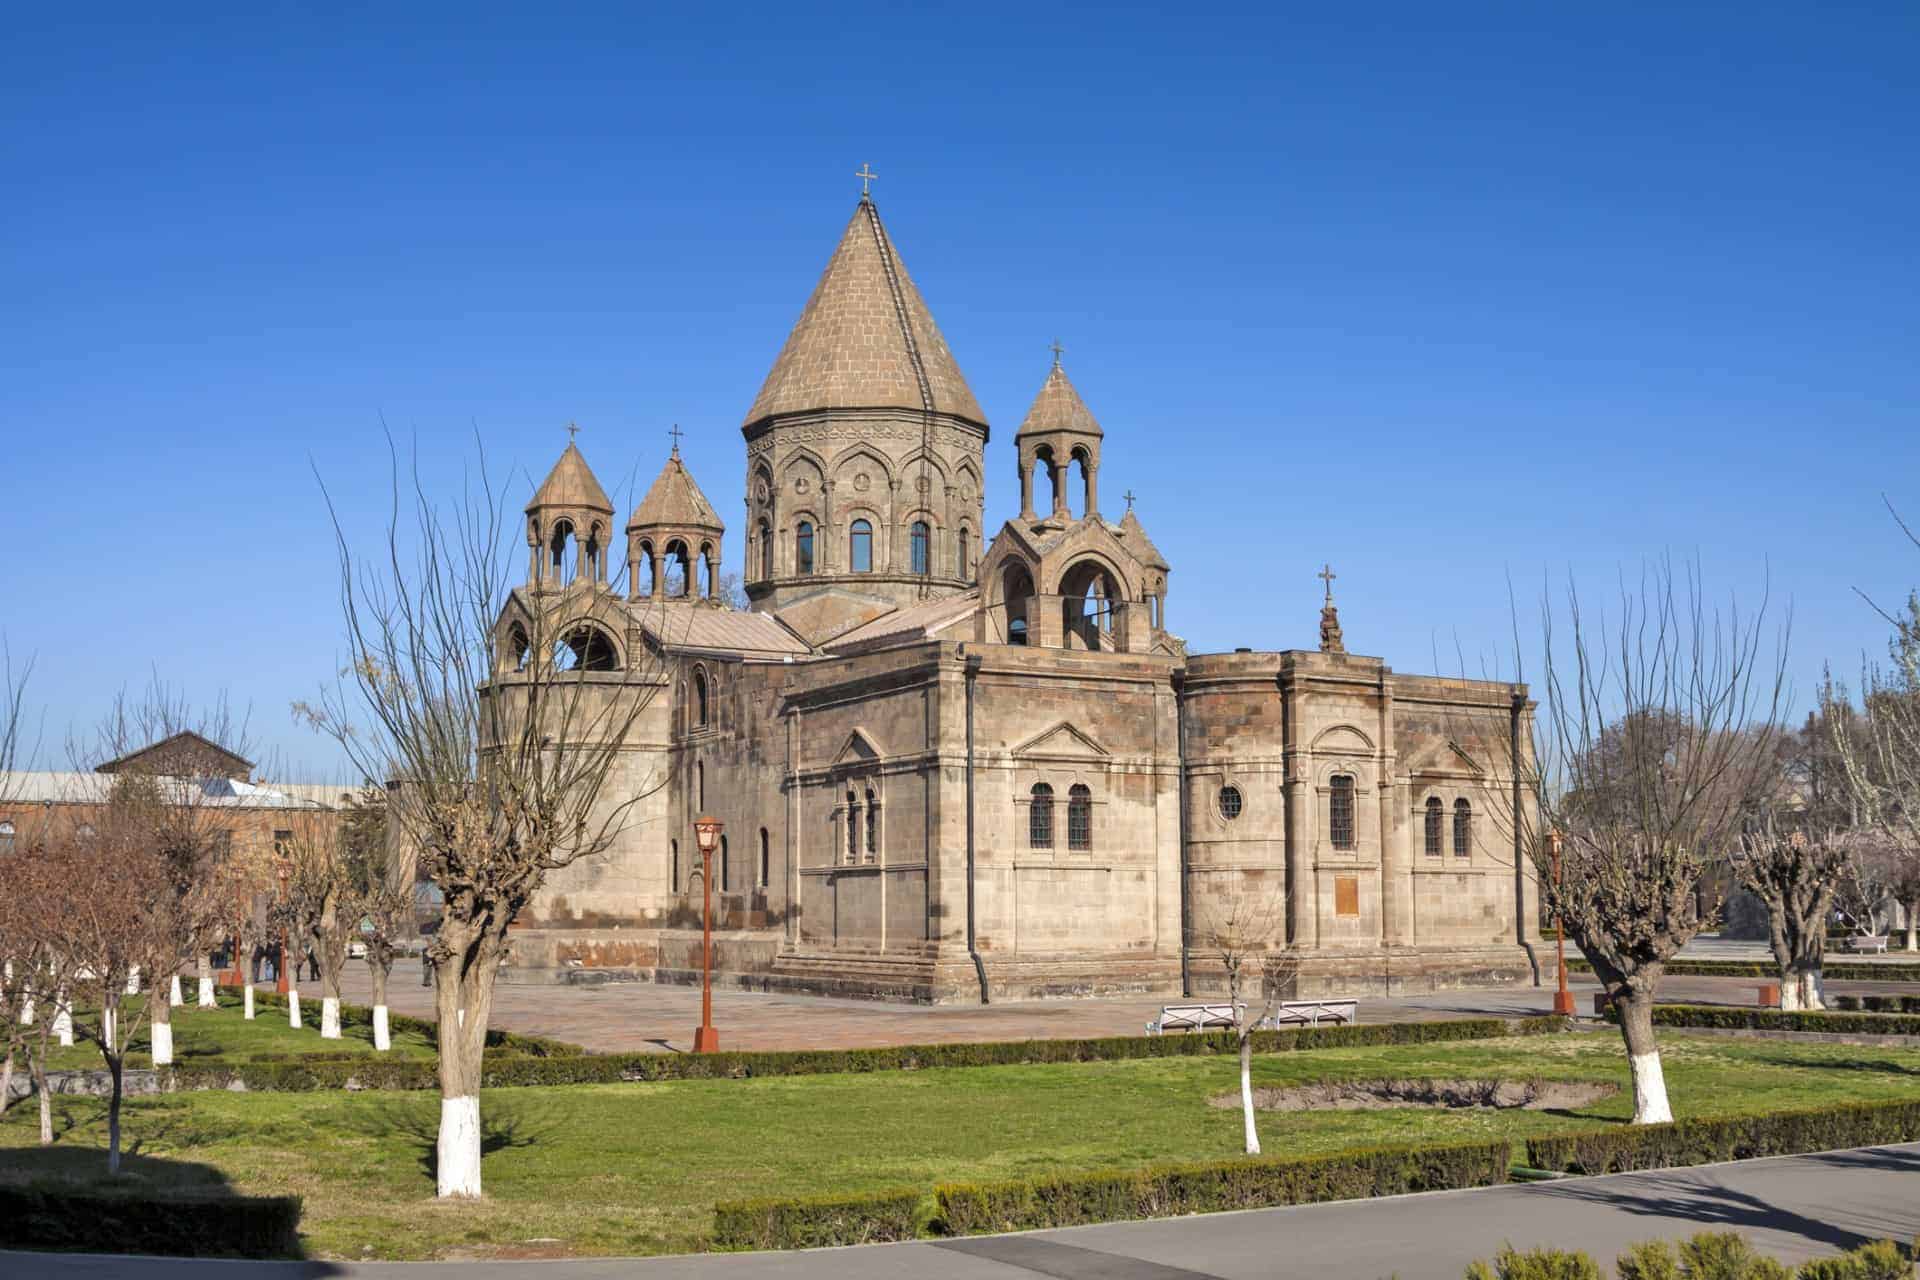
{"points": [[1753, 1019], [1535, 1264], [1841, 970], [1709, 1139], [51, 1216], [1648, 1260], [1159, 1191], [814, 1222]]}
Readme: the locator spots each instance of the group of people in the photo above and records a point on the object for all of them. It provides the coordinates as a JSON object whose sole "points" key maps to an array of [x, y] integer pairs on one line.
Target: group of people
{"points": [[266, 964]]}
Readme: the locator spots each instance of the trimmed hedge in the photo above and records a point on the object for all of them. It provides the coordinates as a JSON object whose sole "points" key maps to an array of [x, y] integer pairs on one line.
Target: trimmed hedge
{"points": [[1711, 1139], [511, 1070], [1161, 1191], [1875, 1004], [814, 1222], [1838, 971], [1738, 1018], [51, 1216], [360, 1015]]}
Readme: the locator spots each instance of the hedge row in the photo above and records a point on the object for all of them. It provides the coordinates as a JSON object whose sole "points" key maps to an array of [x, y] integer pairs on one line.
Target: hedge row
{"points": [[1711, 1139], [1876, 1004], [508, 1070], [1064, 1200], [1840, 971], [1740, 1018], [52, 1216], [817, 1222]]}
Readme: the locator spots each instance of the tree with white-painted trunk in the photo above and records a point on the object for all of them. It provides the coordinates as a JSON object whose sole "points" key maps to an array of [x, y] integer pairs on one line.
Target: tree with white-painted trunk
{"points": [[500, 713], [382, 893], [1659, 746], [1244, 929], [1796, 877], [318, 903]]}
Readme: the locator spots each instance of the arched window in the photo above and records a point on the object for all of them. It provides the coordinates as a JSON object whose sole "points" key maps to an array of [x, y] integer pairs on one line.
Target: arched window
{"points": [[1462, 829], [1433, 827], [699, 699], [766, 550], [917, 545], [873, 826], [803, 548], [1340, 810], [726, 865], [765, 864], [853, 827], [700, 785], [518, 646], [1040, 817], [860, 547], [6, 838], [587, 649], [1231, 803], [674, 845], [963, 553], [1079, 817], [643, 566]]}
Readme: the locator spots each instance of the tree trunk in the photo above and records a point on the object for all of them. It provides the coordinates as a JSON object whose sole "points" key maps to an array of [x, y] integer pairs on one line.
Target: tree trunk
{"points": [[382, 1038], [1801, 988], [463, 1000], [173, 991], [246, 999], [46, 1097], [162, 1028], [1913, 927], [293, 1006], [6, 1082], [113, 1118], [1246, 1090], [63, 1020], [1650, 1104], [207, 998]]}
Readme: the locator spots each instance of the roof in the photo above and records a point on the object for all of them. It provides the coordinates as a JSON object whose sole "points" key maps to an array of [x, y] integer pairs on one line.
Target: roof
{"points": [[205, 757], [865, 340], [1058, 407], [904, 626], [571, 484], [676, 501], [692, 625], [1133, 536], [53, 786]]}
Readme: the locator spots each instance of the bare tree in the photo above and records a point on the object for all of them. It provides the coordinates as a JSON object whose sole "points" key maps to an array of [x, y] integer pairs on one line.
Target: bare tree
{"points": [[1879, 749], [1797, 878], [382, 892], [503, 760], [1245, 929], [18, 946], [1657, 748], [319, 904]]}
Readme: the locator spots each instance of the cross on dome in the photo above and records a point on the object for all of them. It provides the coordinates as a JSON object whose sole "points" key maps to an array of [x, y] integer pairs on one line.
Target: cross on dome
{"points": [[1327, 575], [866, 176]]}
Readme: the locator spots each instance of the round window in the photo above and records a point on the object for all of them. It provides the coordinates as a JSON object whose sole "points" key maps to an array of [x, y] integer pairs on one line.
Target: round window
{"points": [[1229, 803]]}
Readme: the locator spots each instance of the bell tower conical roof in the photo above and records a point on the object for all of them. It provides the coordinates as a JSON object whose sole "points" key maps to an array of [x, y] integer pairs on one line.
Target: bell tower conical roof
{"points": [[675, 501], [571, 483], [1059, 408], [865, 339]]}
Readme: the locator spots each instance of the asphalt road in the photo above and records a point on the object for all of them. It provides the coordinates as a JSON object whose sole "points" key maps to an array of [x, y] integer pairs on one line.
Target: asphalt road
{"points": [[1794, 1207]]}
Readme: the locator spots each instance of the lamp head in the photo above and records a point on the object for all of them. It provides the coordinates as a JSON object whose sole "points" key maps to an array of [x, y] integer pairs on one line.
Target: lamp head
{"points": [[706, 830]]}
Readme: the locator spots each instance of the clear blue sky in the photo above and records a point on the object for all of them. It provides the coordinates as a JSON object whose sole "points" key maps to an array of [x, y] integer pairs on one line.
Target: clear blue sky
{"points": [[1438, 293]]}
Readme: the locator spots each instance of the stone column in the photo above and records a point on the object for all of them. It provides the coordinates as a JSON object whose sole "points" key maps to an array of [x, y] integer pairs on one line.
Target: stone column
{"points": [[1396, 876], [1026, 489], [826, 557], [1302, 888], [1093, 489], [793, 827]]}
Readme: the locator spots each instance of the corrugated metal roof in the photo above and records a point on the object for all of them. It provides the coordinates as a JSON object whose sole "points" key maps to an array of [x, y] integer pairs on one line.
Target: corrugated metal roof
{"points": [[55, 786]]}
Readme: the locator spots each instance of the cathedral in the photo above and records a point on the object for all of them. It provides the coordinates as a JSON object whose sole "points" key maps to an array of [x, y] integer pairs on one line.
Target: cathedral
{"points": [[958, 763]]}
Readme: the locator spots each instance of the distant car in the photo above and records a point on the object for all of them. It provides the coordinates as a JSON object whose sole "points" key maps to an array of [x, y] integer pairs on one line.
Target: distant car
{"points": [[356, 951]]}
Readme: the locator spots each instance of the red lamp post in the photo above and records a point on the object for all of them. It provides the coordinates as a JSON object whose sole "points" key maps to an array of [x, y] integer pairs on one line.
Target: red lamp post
{"points": [[706, 831], [1562, 998]]}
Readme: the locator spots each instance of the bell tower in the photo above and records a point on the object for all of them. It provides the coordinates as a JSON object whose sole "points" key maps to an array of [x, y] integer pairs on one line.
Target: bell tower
{"points": [[864, 448], [569, 523]]}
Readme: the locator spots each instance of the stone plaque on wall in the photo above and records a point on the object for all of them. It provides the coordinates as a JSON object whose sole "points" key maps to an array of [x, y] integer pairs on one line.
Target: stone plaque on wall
{"points": [[1346, 895]]}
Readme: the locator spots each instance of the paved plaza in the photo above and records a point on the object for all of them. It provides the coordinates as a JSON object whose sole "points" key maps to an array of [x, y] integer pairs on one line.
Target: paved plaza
{"points": [[636, 1017]]}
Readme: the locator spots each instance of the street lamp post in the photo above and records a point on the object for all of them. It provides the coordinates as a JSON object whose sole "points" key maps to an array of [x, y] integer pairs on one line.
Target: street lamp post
{"points": [[706, 831], [1562, 998]]}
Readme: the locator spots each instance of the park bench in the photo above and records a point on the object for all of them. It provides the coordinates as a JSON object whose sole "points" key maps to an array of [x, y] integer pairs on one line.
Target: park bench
{"points": [[1312, 1013], [1196, 1017], [1874, 942]]}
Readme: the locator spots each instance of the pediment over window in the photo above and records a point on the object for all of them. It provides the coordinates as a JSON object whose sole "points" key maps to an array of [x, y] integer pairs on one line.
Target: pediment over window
{"points": [[1343, 737], [1062, 740], [860, 748]]}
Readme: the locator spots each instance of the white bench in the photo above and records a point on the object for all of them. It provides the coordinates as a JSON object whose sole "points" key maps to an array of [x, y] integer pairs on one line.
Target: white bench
{"points": [[1312, 1013], [1196, 1017], [1868, 943]]}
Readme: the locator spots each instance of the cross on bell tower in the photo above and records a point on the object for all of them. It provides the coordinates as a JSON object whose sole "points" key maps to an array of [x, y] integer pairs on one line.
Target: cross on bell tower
{"points": [[1330, 639]]}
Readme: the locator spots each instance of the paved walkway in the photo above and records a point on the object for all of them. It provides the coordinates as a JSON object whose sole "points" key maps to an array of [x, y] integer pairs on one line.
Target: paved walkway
{"points": [[642, 1017], [1795, 1208]]}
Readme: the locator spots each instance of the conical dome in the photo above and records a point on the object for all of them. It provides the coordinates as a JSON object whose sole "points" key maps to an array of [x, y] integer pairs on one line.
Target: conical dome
{"points": [[1059, 407], [571, 483], [865, 339], [675, 501]]}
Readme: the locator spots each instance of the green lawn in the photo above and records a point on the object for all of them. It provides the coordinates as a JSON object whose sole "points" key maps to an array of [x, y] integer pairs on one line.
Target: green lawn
{"points": [[201, 1035], [636, 1168]]}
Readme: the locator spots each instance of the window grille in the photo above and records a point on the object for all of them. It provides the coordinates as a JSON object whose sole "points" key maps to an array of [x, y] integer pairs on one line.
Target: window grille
{"points": [[1040, 817], [1462, 829], [1231, 803], [1433, 827], [917, 545], [803, 548], [1079, 818], [873, 826], [1340, 811]]}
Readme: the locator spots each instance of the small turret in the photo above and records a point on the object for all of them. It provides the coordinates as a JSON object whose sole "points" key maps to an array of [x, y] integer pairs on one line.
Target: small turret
{"points": [[1059, 431], [674, 524], [569, 523]]}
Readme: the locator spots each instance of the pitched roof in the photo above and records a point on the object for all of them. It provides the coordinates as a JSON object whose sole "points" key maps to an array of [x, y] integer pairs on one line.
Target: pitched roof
{"points": [[571, 484], [912, 624], [1059, 407], [676, 501], [185, 754], [1133, 536], [691, 625], [865, 339]]}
